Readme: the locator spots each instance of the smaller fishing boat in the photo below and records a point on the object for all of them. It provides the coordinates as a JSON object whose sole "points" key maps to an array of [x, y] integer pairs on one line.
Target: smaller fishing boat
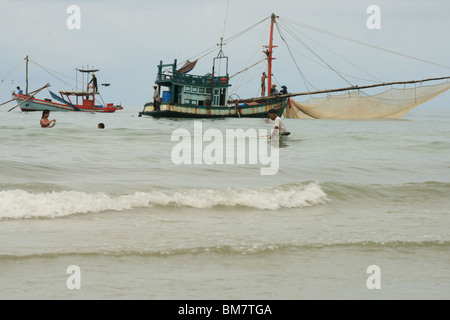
{"points": [[81, 101], [84, 101]]}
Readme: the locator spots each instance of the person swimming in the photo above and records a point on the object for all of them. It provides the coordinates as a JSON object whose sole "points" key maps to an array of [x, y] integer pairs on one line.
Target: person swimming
{"points": [[45, 123]]}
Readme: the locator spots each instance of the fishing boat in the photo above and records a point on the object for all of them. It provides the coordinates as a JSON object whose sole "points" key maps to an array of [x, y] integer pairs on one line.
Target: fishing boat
{"points": [[193, 96], [207, 96], [85, 102], [81, 101]]}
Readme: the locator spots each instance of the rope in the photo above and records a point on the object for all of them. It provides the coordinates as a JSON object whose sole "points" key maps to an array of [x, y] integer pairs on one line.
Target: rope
{"points": [[237, 88], [11, 72], [244, 31], [226, 41], [307, 47], [363, 43], [305, 81], [326, 67], [254, 55], [50, 73], [336, 54], [104, 104], [248, 68], [225, 22], [63, 75]]}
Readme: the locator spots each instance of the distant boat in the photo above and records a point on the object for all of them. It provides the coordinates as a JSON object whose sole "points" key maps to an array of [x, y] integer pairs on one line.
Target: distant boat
{"points": [[80, 101], [194, 96], [87, 103]]}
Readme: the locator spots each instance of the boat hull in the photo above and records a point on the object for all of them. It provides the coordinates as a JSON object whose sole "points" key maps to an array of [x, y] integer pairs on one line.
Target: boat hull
{"points": [[251, 110], [33, 104]]}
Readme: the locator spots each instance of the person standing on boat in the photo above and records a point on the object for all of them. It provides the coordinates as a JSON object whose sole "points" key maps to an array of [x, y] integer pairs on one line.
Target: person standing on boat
{"points": [[283, 90], [156, 99], [94, 83], [279, 128], [45, 123], [263, 84]]}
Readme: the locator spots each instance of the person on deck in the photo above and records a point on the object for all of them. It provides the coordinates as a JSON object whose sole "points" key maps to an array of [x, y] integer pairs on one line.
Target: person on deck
{"points": [[94, 83], [279, 128], [274, 90], [19, 91], [263, 84], [156, 99], [283, 90], [45, 123]]}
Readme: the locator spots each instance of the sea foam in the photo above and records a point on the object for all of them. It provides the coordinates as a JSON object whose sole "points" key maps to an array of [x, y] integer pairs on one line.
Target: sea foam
{"points": [[19, 204]]}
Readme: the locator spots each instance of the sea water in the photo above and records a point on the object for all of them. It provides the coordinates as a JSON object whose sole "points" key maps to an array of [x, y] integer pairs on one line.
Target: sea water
{"points": [[348, 195]]}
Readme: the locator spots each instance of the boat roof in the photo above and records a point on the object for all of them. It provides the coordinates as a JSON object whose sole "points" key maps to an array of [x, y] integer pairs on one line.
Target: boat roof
{"points": [[76, 93], [90, 71]]}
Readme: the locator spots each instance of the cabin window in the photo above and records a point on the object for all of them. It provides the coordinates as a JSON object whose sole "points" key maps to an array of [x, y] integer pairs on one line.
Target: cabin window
{"points": [[187, 89], [202, 90], [216, 91], [201, 103], [208, 90], [194, 89]]}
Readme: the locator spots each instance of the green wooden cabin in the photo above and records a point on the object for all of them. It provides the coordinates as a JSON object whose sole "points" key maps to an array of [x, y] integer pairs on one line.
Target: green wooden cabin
{"points": [[192, 90]]}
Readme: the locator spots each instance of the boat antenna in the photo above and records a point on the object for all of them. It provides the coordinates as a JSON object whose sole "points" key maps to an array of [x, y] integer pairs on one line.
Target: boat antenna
{"points": [[221, 44], [225, 22]]}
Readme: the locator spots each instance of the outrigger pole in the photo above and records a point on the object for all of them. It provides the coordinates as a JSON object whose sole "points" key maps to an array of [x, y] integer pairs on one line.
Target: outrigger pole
{"points": [[35, 92], [346, 89]]}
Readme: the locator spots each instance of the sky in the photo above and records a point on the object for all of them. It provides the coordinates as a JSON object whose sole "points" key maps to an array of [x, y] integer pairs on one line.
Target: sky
{"points": [[126, 40]]}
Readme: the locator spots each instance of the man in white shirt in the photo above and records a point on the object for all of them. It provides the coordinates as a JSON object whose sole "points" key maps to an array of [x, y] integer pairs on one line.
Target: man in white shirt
{"points": [[279, 128]]}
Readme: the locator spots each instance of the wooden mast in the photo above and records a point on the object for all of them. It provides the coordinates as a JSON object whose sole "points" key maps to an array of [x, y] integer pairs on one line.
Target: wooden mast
{"points": [[269, 54], [26, 80]]}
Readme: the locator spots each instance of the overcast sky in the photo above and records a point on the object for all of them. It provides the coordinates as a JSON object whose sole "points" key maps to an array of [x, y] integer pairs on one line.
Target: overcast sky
{"points": [[127, 39]]}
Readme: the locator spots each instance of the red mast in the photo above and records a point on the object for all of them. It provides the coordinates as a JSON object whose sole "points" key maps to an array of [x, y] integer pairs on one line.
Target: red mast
{"points": [[269, 53]]}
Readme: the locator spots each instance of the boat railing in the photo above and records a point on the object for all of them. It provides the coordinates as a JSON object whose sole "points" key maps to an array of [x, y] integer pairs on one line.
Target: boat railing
{"points": [[193, 79]]}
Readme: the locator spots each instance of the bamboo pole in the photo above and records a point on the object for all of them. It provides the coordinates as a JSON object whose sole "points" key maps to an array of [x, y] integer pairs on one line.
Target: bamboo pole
{"points": [[30, 97], [25, 95], [7, 101], [344, 89]]}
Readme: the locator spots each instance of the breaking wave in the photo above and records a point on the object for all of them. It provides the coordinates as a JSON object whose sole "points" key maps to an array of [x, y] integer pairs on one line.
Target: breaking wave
{"points": [[20, 204]]}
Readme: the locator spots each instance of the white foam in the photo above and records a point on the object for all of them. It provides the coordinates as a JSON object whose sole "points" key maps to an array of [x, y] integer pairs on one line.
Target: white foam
{"points": [[21, 204]]}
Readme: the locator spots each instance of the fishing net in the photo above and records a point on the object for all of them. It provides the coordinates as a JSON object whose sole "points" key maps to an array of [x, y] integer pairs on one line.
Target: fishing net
{"points": [[391, 104]]}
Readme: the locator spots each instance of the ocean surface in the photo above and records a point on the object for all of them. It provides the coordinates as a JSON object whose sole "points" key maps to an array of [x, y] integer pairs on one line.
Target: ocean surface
{"points": [[348, 195]]}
